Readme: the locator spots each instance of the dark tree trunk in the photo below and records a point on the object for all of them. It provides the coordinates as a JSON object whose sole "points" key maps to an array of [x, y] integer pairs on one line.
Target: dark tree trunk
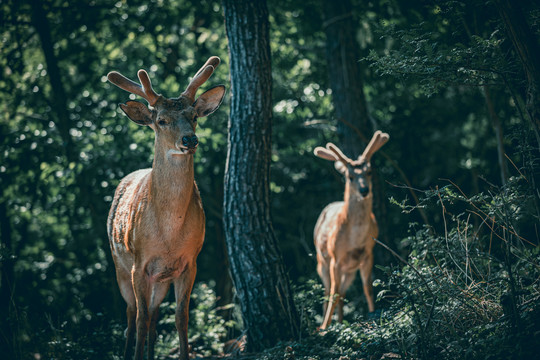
{"points": [[8, 339], [256, 264], [497, 127], [58, 101], [527, 47], [342, 57]]}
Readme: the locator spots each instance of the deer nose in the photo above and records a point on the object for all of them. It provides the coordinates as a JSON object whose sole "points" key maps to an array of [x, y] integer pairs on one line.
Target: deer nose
{"points": [[190, 142], [364, 191]]}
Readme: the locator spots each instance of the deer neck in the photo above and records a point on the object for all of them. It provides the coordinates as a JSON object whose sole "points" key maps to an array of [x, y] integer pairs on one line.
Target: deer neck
{"points": [[172, 181], [356, 209]]}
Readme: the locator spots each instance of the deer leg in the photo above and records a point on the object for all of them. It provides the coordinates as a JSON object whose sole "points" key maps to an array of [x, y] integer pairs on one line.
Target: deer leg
{"points": [[126, 290], [182, 290], [346, 281], [142, 291], [324, 274], [365, 272], [159, 291], [131, 313], [335, 278]]}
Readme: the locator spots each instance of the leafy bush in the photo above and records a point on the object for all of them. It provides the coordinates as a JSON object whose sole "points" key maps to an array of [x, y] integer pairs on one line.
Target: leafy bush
{"points": [[471, 287]]}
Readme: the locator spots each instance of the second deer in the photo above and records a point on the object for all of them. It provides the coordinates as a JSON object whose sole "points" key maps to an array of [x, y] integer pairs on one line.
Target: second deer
{"points": [[345, 231]]}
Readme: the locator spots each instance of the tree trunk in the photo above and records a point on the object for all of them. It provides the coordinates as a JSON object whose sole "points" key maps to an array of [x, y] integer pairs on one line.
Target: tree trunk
{"points": [[7, 278], [256, 264], [497, 127], [342, 57], [58, 93], [527, 47]]}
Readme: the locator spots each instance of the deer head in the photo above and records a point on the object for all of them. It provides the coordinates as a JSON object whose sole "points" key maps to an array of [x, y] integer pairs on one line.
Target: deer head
{"points": [[173, 120], [357, 172]]}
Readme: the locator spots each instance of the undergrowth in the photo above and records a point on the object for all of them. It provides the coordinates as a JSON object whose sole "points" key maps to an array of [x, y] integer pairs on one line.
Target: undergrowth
{"points": [[468, 289]]}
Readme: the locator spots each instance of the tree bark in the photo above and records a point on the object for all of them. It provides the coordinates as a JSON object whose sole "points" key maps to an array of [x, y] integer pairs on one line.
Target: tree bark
{"points": [[497, 127], [59, 98], [256, 265], [7, 278], [342, 56], [528, 49]]}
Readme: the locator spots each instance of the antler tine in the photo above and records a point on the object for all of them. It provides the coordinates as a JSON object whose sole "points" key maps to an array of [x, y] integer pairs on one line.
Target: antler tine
{"points": [[151, 95], [200, 77], [213, 60], [376, 142], [125, 84], [340, 155], [129, 85], [324, 153]]}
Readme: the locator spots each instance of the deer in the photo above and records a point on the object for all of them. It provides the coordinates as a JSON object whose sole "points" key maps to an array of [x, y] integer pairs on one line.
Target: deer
{"points": [[156, 222], [345, 230]]}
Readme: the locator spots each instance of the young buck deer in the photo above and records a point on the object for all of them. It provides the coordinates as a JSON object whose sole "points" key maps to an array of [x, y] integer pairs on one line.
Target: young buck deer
{"points": [[156, 222], [345, 230]]}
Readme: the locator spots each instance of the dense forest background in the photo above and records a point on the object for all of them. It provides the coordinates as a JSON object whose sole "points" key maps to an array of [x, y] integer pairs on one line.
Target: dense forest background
{"points": [[457, 203]]}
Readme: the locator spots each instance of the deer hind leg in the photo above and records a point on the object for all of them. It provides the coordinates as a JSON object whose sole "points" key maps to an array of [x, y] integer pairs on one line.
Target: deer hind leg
{"points": [[365, 272], [182, 290], [159, 291], [346, 281], [334, 297]]}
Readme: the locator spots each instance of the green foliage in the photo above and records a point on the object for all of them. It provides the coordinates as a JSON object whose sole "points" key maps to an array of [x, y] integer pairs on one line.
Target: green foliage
{"points": [[425, 66], [208, 329], [470, 291]]}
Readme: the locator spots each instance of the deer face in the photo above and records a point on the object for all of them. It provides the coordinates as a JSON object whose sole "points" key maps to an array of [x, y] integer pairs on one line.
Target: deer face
{"points": [[175, 125], [173, 120], [357, 176], [357, 173]]}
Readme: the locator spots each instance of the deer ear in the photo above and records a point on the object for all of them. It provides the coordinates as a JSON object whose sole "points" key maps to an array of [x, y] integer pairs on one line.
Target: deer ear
{"points": [[137, 112], [209, 101], [340, 167]]}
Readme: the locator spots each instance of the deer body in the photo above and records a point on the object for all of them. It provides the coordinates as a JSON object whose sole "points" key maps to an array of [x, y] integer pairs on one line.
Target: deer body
{"points": [[156, 222], [345, 230]]}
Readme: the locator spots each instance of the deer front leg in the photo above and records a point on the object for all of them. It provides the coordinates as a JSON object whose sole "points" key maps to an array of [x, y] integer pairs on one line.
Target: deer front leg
{"points": [[131, 313], [182, 289], [365, 272], [346, 281], [159, 291], [335, 278], [126, 289], [142, 293], [324, 274]]}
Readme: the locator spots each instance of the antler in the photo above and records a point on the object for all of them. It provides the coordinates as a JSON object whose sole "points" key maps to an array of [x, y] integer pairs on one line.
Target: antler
{"points": [[324, 153], [339, 154], [376, 142], [146, 91], [200, 77]]}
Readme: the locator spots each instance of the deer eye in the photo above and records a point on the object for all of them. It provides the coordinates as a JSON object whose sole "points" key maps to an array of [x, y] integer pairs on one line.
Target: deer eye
{"points": [[162, 122]]}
